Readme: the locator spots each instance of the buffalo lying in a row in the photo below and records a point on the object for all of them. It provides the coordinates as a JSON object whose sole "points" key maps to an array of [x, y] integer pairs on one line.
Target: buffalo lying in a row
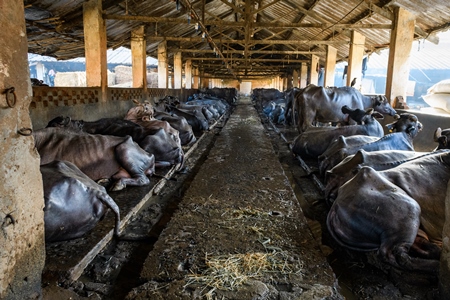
{"points": [[374, 183], [77, 155]]}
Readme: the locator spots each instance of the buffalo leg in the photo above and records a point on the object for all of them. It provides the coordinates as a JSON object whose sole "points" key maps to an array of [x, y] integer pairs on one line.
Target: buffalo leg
{"points": [[136, 165]]}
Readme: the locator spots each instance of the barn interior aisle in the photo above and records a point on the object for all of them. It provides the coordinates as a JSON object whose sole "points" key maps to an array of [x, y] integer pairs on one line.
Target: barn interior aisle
{"points": [[239, 219]]}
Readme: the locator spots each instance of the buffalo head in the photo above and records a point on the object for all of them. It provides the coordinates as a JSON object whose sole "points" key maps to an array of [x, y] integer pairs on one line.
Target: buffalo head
{"points": [[382, 105], [405, 122], [361, 116], [442, 138]]}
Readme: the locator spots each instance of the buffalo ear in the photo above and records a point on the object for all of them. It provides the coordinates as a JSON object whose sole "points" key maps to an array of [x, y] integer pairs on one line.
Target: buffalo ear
{"points": [[345, 109], [370, 111], [377, 115], [66, 121]]}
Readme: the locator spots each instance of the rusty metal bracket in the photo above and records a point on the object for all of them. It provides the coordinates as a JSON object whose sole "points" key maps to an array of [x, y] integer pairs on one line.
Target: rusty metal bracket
{"points": [[25, 131], [8, 92]]}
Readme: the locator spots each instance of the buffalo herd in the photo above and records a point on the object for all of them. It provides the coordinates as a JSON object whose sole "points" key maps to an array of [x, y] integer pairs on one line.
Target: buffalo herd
{"points": [[382, 195], [81, 161]]}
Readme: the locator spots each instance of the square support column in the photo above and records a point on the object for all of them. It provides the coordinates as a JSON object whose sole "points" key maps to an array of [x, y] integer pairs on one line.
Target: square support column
{"points": [[402, 36], [196, 79], [303, 75], [139, 58], [314, 71], [177, 70], [355, 58], [22, 240], [295, 78], [330, 66], [95, 45], [188, 74], [162, 65], [289, 83]]}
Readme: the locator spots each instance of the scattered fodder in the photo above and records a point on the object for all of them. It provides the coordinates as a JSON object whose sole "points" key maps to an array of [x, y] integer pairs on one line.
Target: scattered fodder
{"points": [[228, 272]]}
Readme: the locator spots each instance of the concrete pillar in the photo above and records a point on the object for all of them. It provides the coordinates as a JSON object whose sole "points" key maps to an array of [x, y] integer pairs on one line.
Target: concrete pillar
{"points": [[177, 70], [355, 58], [22, 246], [303, 75], [205, 81], [139, 58], [289, 83], [162, 65], [330, 66], [171, 81], [196, 79], [399, 52], [216, 83], [314, 70], [95, 45], [188, 74], [295, 81]]}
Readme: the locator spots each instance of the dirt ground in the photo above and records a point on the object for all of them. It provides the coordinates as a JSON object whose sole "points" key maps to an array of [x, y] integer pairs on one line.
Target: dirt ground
{"points": [[117, 272]]}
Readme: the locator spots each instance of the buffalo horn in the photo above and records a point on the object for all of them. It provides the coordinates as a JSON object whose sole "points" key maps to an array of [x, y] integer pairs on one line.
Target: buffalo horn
{"points": [[437, 134], [66, 121]]}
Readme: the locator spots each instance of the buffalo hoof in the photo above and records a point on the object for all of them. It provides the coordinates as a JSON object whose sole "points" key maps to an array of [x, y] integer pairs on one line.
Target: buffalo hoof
{"points": [[118, 186]]}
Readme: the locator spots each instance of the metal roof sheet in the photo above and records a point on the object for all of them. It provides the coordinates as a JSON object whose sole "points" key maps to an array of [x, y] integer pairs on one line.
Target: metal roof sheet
{"points": [[276, 34]]}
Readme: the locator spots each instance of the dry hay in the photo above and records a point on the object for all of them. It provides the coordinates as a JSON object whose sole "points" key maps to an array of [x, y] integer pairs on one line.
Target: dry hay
{"points": [[228, 272], [249, 212]]}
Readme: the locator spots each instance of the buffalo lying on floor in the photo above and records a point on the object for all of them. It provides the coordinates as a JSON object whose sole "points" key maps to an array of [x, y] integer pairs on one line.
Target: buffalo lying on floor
{"points": [[395, 212], [100, 157], [142, 114], [349, 166], [163, 146], [142, 111], [405, 128], [194, 118], [74, 203], [315, 140], [187, 136]]}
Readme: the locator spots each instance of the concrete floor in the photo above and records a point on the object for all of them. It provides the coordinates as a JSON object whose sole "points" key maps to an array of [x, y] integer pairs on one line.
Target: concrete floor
{"points": [[239, 204]]}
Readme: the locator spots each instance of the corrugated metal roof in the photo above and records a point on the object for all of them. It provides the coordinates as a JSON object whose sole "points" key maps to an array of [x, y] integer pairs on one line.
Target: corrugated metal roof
{"points": [[251, 37]]}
